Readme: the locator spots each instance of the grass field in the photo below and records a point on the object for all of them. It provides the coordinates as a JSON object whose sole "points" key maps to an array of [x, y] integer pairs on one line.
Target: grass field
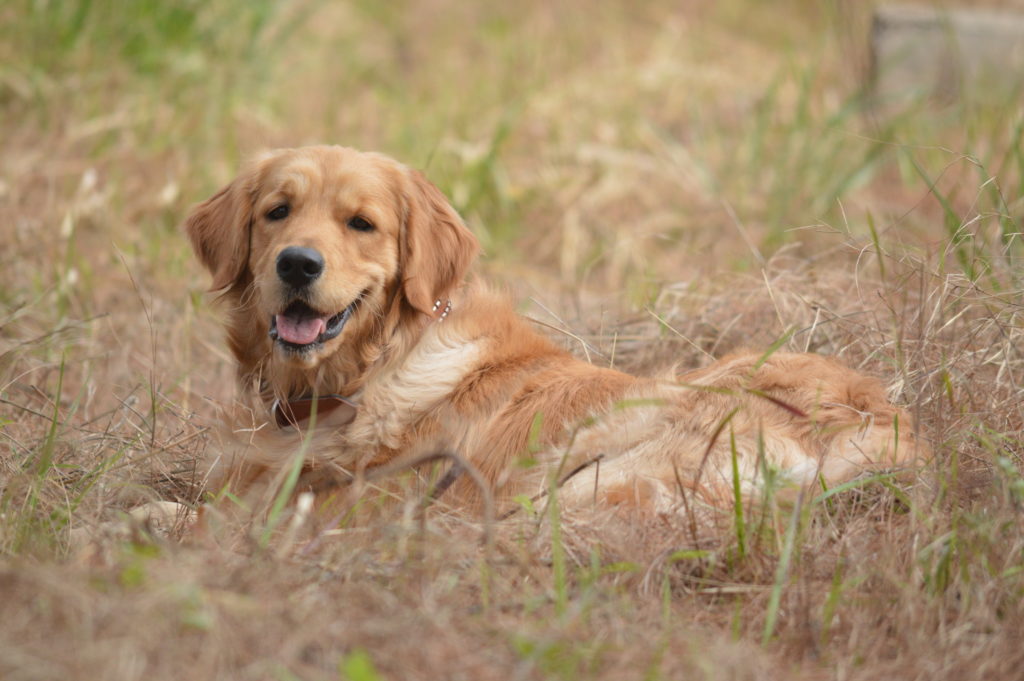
{"points": [[664, 181]]}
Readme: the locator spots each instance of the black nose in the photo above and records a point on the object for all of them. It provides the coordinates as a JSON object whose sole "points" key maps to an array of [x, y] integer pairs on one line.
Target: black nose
{"points": [[299, 266]]}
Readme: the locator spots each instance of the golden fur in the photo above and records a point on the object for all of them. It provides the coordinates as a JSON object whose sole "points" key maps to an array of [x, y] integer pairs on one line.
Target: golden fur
{"points": [[482, 383]]}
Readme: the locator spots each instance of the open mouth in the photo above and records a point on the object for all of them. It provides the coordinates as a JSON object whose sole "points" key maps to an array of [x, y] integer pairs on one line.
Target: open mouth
{"points": [[300, 327]]}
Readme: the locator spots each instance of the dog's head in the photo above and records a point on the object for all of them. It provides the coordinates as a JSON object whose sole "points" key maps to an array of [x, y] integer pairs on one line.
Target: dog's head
{"points": [[321, 241]]}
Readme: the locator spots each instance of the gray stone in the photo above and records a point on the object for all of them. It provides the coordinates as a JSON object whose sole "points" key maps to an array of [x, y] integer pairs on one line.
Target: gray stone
{"points": [[922, 51]]}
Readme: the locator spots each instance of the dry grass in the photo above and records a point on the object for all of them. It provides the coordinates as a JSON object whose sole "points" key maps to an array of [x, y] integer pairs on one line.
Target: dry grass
{"points": [[667, 183]]}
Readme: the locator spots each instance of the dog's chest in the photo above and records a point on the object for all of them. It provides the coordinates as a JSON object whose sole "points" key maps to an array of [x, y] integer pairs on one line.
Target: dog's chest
{"points": [[394, 400]]}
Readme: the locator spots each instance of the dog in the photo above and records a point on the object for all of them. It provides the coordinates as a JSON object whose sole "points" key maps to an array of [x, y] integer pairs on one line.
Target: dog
{"points": [[359, 347]]}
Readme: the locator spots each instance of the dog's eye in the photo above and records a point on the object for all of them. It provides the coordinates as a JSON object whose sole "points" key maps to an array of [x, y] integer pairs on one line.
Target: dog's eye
{"points": [[278, 212], [360, 224]]}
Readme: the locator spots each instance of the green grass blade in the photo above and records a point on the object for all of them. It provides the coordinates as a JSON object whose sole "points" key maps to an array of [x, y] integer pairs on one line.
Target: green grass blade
{"points": [[782, 573], [737, 498]]}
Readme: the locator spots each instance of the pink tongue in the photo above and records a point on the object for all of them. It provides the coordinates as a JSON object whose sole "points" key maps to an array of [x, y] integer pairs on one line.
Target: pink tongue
{"points": [[300, 331]]}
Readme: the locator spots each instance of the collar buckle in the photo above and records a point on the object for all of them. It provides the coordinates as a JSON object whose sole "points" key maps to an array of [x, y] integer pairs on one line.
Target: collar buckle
{"points": [[445, 311]]}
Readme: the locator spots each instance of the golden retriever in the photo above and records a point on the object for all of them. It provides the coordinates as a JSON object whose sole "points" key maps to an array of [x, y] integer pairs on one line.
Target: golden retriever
{"points": [[359, 345]]}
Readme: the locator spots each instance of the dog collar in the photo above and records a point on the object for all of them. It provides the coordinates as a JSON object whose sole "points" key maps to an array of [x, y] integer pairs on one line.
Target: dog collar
{"points": [[294, 412]]}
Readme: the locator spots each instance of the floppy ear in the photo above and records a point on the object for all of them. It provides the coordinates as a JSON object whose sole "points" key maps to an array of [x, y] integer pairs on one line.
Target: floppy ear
{"points": [[438, 248], [219, 229]]}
